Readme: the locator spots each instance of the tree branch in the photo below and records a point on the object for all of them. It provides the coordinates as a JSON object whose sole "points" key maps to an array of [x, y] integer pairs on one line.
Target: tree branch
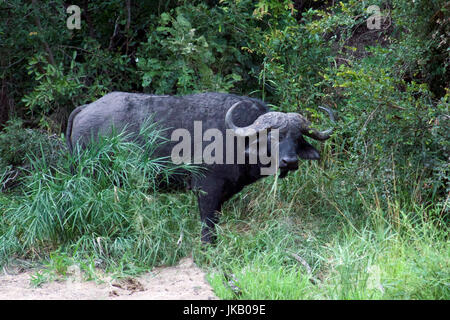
{"points": [[127, 27], [116, 29], [88, 19], [37, 20]]}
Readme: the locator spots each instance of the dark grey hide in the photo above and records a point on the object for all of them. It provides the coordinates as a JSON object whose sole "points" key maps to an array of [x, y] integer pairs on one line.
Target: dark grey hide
{"points": [[220, 181]]}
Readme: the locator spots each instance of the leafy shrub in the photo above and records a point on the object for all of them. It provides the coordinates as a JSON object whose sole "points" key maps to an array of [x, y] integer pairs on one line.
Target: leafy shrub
{"points": [[292, 58], [197, 48], [422, 49], [60, 88], [18, 144], [392, 127]]}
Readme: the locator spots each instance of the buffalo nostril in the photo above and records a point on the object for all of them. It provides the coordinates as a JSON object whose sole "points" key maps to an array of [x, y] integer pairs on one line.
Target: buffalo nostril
{"points": [[289, 163]]}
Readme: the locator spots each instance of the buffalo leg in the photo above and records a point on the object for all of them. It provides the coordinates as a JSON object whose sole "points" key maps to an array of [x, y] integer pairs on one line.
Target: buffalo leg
{"points": [[210, 203]]}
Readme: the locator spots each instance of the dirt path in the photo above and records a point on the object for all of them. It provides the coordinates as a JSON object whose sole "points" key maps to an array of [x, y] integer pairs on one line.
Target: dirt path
{"points": [[184, 281]]}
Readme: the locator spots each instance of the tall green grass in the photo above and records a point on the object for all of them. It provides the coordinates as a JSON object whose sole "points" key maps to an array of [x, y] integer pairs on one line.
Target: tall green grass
{"points": [[322, 234], [341, 256], [101, 202]]}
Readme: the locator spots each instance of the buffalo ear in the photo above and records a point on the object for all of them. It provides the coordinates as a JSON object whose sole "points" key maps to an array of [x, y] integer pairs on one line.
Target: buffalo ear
{"points": [[308, 152]]}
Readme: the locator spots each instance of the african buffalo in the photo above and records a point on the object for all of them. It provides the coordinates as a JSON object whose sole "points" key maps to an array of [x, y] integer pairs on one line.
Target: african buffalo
{"points": [[219, 111]]}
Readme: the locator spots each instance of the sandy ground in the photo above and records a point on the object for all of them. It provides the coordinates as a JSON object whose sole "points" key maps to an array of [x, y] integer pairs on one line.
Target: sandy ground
{"points": [[184, 281]]}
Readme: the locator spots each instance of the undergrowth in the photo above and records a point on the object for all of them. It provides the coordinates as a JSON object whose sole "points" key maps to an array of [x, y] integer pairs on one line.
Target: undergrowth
{"points": [[102, 202]]}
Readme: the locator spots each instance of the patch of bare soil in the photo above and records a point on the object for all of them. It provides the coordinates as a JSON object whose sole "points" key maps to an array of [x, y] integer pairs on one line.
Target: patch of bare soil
{"points": [[182, 282]]}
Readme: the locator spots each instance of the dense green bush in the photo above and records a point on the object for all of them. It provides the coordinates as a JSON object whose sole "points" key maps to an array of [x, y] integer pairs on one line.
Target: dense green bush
{"points": [[195, 48], [62, 87], [422, 49], [47, 69], [386, 129], [18, 145]]}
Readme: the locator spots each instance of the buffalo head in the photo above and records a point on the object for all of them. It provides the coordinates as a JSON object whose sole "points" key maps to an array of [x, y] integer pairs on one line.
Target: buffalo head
{"points": [[291, 129]]}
